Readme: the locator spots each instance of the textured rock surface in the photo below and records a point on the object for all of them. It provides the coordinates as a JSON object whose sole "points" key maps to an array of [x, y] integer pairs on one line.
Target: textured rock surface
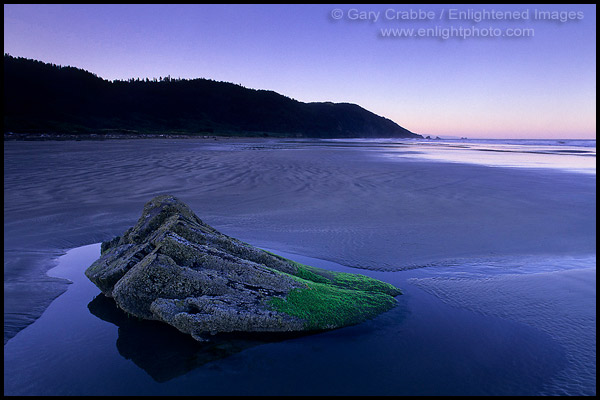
{"points": [[172, 267]]}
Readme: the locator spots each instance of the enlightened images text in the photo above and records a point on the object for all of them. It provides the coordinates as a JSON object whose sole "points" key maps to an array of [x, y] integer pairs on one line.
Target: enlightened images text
{"points": [[454, 14]]}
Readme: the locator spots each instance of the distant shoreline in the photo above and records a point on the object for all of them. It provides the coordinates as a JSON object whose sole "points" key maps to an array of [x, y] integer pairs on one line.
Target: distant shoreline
{"points": [[10, 136], [53, 136]]}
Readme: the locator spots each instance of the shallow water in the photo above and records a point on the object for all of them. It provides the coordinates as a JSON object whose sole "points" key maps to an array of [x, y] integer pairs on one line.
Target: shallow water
{"points": [[83, 345]]}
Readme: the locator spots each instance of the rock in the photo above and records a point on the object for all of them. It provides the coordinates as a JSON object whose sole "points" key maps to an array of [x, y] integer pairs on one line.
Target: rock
{"points": [[172, 267]]}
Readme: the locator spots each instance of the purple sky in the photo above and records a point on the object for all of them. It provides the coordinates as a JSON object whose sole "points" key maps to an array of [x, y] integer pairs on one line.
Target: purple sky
{"points": [[542, 86]]}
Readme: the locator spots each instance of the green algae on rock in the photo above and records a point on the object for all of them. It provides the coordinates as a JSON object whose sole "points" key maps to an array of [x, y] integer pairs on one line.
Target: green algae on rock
{"points": [[172, 267]]}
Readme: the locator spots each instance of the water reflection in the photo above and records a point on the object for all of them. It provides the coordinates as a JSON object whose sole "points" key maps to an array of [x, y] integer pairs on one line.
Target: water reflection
{"points": [[164, 352], [581, 159]]}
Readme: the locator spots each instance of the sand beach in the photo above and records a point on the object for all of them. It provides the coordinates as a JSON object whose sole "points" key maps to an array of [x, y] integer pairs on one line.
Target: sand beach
{"points": [[460, 234]]}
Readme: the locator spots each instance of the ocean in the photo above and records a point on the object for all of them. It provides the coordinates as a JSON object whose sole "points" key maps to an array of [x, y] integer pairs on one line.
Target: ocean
{"points": [[558, 154]]}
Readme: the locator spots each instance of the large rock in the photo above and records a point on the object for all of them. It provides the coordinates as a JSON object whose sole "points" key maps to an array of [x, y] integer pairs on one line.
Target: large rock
{"points": [[173, 267]]}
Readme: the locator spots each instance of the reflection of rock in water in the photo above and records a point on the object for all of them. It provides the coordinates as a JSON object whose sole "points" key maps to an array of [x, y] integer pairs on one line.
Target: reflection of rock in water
{"points": [[164, 352]]}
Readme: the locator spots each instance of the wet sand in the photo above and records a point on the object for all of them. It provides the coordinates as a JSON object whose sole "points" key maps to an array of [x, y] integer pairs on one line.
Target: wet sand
{"points": [[324, 200]]}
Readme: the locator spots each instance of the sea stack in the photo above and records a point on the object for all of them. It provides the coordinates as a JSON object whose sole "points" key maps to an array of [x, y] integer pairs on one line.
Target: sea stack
{"points": [[172, 267]]}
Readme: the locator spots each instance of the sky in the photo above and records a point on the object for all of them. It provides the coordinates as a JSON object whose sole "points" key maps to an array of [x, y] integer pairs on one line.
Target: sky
{"points": [[476, 71]]}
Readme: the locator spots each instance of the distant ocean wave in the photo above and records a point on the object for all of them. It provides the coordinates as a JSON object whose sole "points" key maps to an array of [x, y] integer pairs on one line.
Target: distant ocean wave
{"points": [[573, 155], [525, 142]]}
